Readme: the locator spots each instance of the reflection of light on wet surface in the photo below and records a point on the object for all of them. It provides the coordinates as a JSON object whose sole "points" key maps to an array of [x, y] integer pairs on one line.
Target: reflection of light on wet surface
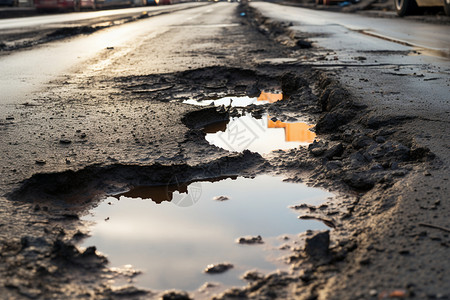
{"points": [[234, 101], [270, 97], [261, 135], [294, 132], [239, 101], [173, 244]]}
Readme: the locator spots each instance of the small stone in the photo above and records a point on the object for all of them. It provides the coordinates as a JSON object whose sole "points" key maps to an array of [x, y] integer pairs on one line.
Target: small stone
{"points": [[221, 198], [65, 141], [40, 162], [218, 268], [175, 295], [317, 245], [250, 240]]}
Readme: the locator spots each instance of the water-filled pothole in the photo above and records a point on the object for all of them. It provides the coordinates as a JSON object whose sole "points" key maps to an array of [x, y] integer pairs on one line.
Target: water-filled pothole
{"points": [[239, 101], [261, 135], [174, 241], [258, 135]]}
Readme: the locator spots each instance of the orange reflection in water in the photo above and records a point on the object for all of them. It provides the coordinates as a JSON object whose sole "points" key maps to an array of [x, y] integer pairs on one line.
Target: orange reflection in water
{"points": [[271, 97], [294, 132]]}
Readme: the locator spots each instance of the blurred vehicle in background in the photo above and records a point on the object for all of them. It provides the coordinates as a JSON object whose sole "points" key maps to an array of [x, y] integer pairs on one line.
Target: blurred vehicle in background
{"points": [[113, 3], [409, 7], [9, 2], [74, 5], [77, 5]]}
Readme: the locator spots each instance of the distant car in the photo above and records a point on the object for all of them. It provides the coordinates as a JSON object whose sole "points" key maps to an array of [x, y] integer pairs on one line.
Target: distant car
{"points": [[74, 5], [9, 2], [408, 7]]}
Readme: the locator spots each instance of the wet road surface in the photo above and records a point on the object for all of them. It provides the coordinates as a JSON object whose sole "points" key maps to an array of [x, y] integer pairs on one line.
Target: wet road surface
{"points": [[407, 69], [112, 118], [54, 20], [401, 31], [25, 72]]}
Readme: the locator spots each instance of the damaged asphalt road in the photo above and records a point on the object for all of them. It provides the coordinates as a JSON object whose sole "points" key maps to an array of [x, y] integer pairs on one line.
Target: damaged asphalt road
{"points": [[100, 131]]}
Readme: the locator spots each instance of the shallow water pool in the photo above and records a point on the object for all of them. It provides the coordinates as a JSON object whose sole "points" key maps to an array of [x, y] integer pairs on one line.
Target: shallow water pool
{"points": [[175, 236]]}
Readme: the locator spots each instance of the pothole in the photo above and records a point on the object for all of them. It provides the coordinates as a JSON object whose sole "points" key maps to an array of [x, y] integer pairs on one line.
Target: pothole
{"points": [[258, 135], [245, 132], [173, 233]]}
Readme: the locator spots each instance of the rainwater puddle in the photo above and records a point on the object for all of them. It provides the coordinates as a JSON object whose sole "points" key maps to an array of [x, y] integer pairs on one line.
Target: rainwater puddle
{"points": [[258, 135], [239, 101], [173, 238]]}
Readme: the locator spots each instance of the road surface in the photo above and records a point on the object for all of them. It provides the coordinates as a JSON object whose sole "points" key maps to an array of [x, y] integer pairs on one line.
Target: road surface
{"points": [[401, 59], [99, 112], [25, 72]]}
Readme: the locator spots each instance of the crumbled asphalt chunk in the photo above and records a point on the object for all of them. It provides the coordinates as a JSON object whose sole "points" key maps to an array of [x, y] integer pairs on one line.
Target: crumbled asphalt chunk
{"points": [[334, 150], [252, 276], [304, 44], [330, 121], [126, 292], [291, 83], [360, 181], [318, 245], [175, 295]]}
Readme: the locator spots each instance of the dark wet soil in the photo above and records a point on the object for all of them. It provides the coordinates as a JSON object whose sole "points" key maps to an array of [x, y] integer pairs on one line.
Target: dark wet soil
{"points": [[61, 155]]}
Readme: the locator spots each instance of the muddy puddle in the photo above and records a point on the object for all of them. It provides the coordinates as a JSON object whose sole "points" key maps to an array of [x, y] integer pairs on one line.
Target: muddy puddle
{"points": [[258, 135], [173, 233], [239, 101]]}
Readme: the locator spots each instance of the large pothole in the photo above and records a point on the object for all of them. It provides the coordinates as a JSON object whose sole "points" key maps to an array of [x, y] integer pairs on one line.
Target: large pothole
{"points": [[172, 233]]}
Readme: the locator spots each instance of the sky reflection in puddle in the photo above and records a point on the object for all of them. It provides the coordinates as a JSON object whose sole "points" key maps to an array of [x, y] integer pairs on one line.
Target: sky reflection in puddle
{"points": [[172, 244], [259, 135], [239, 101]]}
